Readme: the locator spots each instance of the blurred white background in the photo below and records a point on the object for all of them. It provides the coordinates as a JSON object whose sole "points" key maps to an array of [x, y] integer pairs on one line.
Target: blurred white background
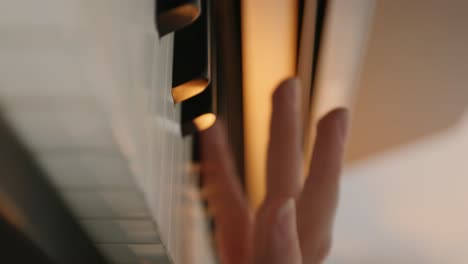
{"points": [[409, 205], [404, 195]]}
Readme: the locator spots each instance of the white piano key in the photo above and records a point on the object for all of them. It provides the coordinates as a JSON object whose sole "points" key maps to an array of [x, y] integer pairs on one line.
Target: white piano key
{"points": [[152, 188], [139, 131], [33, 66], [91, 170], [140, 46], [61, 130], [163, 184], [166, 150], [172, 116], [198, 245], [33, 42], [155, 128], [149, 252], [176, 160], [44, 103], [170, 171], [118, 253], [135, 253], [136, 15], [48, 12], [122, 231], [180, 163], [62, 63], [183, 207], [170, 195], [119, 204]]}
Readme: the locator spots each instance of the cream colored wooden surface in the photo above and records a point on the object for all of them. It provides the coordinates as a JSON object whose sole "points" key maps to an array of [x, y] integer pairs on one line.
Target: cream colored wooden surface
{"points": [[404, 190], [414, 80]]}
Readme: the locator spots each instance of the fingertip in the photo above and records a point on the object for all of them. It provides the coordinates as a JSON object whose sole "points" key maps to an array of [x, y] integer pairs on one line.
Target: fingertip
{"points": [[329, 146], [336, 120], [284, 149], [287, 91]]}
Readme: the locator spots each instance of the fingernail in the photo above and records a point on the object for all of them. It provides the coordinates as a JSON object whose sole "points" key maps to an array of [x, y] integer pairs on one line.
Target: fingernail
{"points": [[286, 221]]}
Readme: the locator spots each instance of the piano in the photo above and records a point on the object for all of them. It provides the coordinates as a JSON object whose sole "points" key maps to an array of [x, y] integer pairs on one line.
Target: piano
{"points": [[101, 101], [102, 173]]}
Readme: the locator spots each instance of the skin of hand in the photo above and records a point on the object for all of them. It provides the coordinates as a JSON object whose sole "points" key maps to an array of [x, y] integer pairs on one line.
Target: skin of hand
{"points": [[294, 223]]}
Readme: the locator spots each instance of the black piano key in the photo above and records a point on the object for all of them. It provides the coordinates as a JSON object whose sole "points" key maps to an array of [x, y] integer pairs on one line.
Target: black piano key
{"points": [[198, 112], [191, 73], [172, 15]]}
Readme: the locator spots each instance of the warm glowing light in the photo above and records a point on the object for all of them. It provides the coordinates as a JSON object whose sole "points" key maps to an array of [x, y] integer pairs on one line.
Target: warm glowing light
{"points": [[204, 121], [178, 17], [269, 36], [189, 89], [10, 212]]}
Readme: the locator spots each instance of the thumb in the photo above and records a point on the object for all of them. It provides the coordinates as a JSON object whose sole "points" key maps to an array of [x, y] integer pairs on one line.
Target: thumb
{"points": [[276, 240]]}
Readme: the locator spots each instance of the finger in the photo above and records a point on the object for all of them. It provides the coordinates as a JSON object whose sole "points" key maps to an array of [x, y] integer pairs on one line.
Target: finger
{"points": [[225, 199], [276, 240], [318, 201], [284, 166]]}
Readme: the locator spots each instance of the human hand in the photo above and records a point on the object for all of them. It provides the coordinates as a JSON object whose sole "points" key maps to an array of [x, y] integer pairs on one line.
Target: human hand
{"points": [[294, 223]]}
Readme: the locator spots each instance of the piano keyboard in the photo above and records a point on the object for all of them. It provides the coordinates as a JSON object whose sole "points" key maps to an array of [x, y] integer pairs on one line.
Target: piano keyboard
{"points": [[87, 86]]}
